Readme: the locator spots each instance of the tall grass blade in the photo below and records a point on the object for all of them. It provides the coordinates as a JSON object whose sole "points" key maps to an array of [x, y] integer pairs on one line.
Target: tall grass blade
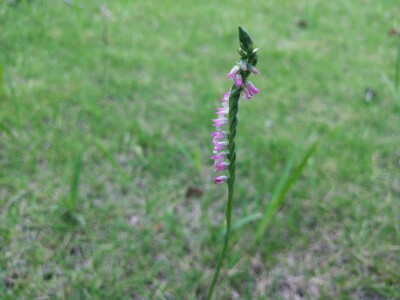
{"points": [[392, 89], [397, 71], [6, 130], [13, 96], [1, 79], [112, 160], [75, 184], [283, 187], [192, 157], [197, 158], [243, 221]]}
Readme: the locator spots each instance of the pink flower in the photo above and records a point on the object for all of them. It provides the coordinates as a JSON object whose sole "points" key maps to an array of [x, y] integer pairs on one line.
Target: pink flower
{"points": [[219, 157], [243, 64], [221, 166], [246, 95], [220, 179], [225, 98], [233, 72], [216, 142], [219, 146], [220, 122], [238, 80], [222, 111], [219, 135], [253, 70], [251, 88]]}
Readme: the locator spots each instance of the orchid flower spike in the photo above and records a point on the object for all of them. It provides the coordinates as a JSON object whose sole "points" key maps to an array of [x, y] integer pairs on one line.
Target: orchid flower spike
{"points": [[224, 137]]}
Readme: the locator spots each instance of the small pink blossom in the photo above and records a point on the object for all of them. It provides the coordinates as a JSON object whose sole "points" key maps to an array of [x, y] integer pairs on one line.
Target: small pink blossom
{"points": [[219, 146], [233, 72], [220, 179], [217, 142], [225, 98], [246, 95], [253, 70], [222, 111], [251, 88], [219, 135], [221, 166], [219, 156], [243, 64], [238, 80], [220, 122]]}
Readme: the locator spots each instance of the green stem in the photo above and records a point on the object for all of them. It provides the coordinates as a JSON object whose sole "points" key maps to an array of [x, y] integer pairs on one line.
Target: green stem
{"points": [[397, 70], [233, 110]]}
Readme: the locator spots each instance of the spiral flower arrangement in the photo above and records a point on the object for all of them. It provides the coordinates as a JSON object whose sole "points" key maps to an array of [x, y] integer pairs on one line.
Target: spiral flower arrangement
{"points": [[224, 140]]}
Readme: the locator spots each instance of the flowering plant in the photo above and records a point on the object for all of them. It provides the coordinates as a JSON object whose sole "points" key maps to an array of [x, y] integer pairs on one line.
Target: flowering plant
{"points": [[224, 140]]}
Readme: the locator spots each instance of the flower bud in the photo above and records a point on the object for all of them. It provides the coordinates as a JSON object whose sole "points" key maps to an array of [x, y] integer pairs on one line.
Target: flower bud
{"points": [[220, 179], [242, 53]]}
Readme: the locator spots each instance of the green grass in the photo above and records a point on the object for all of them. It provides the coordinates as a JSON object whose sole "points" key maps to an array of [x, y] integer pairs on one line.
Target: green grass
{"points": [[136, 110]]}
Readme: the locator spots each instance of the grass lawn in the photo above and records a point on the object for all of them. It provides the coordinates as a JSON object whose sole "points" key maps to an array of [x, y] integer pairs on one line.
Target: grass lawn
{"points": [[106, 185]]}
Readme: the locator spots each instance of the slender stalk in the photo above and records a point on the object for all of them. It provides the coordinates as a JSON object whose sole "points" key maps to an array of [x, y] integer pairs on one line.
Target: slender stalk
{"points": [[233, 110], [397, 70], [239, 74], [106, 16], [13, 97]]}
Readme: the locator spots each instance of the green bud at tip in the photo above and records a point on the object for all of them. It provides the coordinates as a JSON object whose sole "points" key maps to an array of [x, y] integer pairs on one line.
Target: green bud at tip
{"points": [[245, 40]]}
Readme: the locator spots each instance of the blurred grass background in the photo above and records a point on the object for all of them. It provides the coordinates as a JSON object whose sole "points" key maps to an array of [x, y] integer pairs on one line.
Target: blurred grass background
{"points": [[105, 173]]}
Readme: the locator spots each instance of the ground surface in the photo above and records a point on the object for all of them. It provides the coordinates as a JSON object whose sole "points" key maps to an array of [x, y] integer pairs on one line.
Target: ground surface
{"points": [[105, 178]]}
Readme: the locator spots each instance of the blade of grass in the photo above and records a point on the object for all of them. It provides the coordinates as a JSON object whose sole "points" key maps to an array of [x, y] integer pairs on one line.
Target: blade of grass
{"points": [[242, 222], [279, 190], [312, 172], [283, 187], [1, 78], [6, 130], [397, 71], [392, 89], [75, 184], [193, 158], [112, 160], [13, 96], [197, 158]]}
